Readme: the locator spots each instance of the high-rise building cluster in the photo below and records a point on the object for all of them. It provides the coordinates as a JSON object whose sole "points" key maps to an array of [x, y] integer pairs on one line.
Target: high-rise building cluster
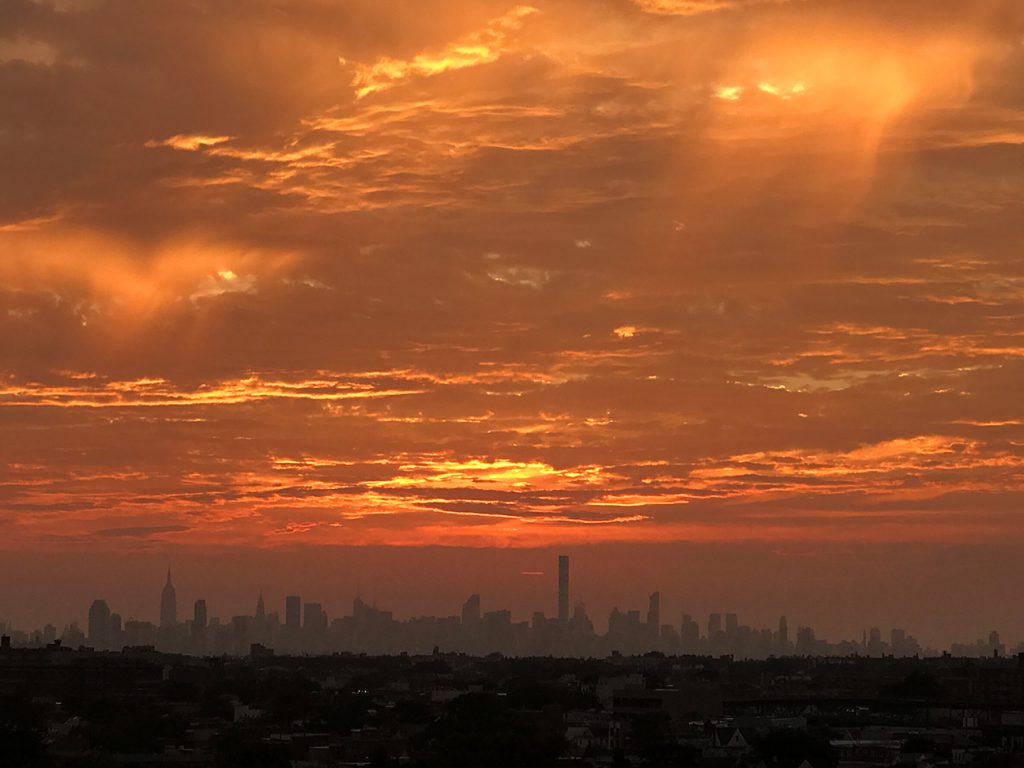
{"points": [[307, 629]]}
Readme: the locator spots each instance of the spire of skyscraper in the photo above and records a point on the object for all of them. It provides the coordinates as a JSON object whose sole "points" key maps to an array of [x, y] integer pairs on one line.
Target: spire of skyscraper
{"points": [[168, 604]]}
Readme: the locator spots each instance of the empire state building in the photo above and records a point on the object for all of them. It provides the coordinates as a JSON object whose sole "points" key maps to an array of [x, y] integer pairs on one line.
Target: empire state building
{"points": [[168, 604]]}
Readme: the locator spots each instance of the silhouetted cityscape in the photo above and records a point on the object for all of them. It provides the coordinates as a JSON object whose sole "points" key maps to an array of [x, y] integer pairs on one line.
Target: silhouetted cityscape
{"points": [[306, 629]]}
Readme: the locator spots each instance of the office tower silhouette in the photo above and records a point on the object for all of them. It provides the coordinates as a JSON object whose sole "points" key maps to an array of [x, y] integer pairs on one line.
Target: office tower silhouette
{"points": [[714, 626], [99, 625], [292, 613], [563, 589], [732, 623], [315, 619], [168, 604], [689, 634], [654, 613], [471, 610]]}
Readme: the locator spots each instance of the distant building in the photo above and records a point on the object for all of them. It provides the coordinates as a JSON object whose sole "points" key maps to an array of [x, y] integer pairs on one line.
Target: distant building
{"points": [[806, 642], [73, 637], [654, 613], [898, 642], [581, 623], [292, 613], [241, 627], [261, 611], [199, 617], [995, 644], [139, 633], [714, 626], [563, 589], [471, 610], [875, 645], [99, 625], [689, 634], [168, 604], [315, 619], [732, 624]]}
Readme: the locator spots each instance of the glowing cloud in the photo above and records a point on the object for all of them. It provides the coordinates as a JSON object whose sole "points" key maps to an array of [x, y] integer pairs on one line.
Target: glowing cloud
{"points": [[190, 142], [482, 47], [695, 7]]}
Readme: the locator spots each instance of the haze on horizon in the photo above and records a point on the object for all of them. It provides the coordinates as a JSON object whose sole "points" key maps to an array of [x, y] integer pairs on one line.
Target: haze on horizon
{"points": [[480, 274]]}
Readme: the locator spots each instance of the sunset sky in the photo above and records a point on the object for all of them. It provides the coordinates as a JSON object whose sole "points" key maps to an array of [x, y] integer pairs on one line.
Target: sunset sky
{"points": [[283, 273]]}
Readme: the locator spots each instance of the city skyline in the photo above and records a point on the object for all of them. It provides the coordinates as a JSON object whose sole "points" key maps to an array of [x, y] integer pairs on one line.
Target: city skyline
{"points": [[302, 626]]}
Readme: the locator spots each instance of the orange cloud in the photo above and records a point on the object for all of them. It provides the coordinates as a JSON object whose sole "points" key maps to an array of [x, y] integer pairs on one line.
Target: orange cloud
{"points": [[696, 7], [482, 47]]}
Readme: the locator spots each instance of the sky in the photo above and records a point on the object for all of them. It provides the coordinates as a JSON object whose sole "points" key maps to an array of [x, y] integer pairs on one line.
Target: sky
{"points": [[731, 276]]}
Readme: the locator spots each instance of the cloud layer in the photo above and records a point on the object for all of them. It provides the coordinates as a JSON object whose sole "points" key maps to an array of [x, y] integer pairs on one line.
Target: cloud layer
{"points": [[494, 274]]}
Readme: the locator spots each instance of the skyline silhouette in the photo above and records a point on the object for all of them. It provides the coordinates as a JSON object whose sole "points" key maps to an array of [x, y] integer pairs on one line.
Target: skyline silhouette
{"points": [[304, 627]]}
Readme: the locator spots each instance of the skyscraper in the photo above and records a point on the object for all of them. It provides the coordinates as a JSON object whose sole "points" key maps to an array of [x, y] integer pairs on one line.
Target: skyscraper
{"points": [[783, 633], [292, 613], [471, 611], [99, 625], [261, 611], [563, 589], [690, 633], [168, 604], [199, 616], [732, 623], [315, 619], [654, 613], [714, 626]]}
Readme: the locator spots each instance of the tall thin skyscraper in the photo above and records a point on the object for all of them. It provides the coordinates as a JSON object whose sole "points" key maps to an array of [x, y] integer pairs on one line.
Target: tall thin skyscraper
{"points": [[654, 613], [783, 633], [563, 589], [714, 626], [261, 611], [168, 604], [654, 610]]}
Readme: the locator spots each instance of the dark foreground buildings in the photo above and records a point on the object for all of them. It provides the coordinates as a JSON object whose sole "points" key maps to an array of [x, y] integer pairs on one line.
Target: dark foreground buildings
{"points": [[138, 707]]}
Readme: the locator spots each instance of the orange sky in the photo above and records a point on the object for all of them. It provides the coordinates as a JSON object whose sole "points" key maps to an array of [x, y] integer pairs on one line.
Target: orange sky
{"points": [[473, 273]]}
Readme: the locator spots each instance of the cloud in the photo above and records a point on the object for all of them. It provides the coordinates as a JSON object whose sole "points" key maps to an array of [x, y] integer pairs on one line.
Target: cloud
{"points": [[141, 532], [483, 47], [696, 7], [752, 271], [189, 143]]}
